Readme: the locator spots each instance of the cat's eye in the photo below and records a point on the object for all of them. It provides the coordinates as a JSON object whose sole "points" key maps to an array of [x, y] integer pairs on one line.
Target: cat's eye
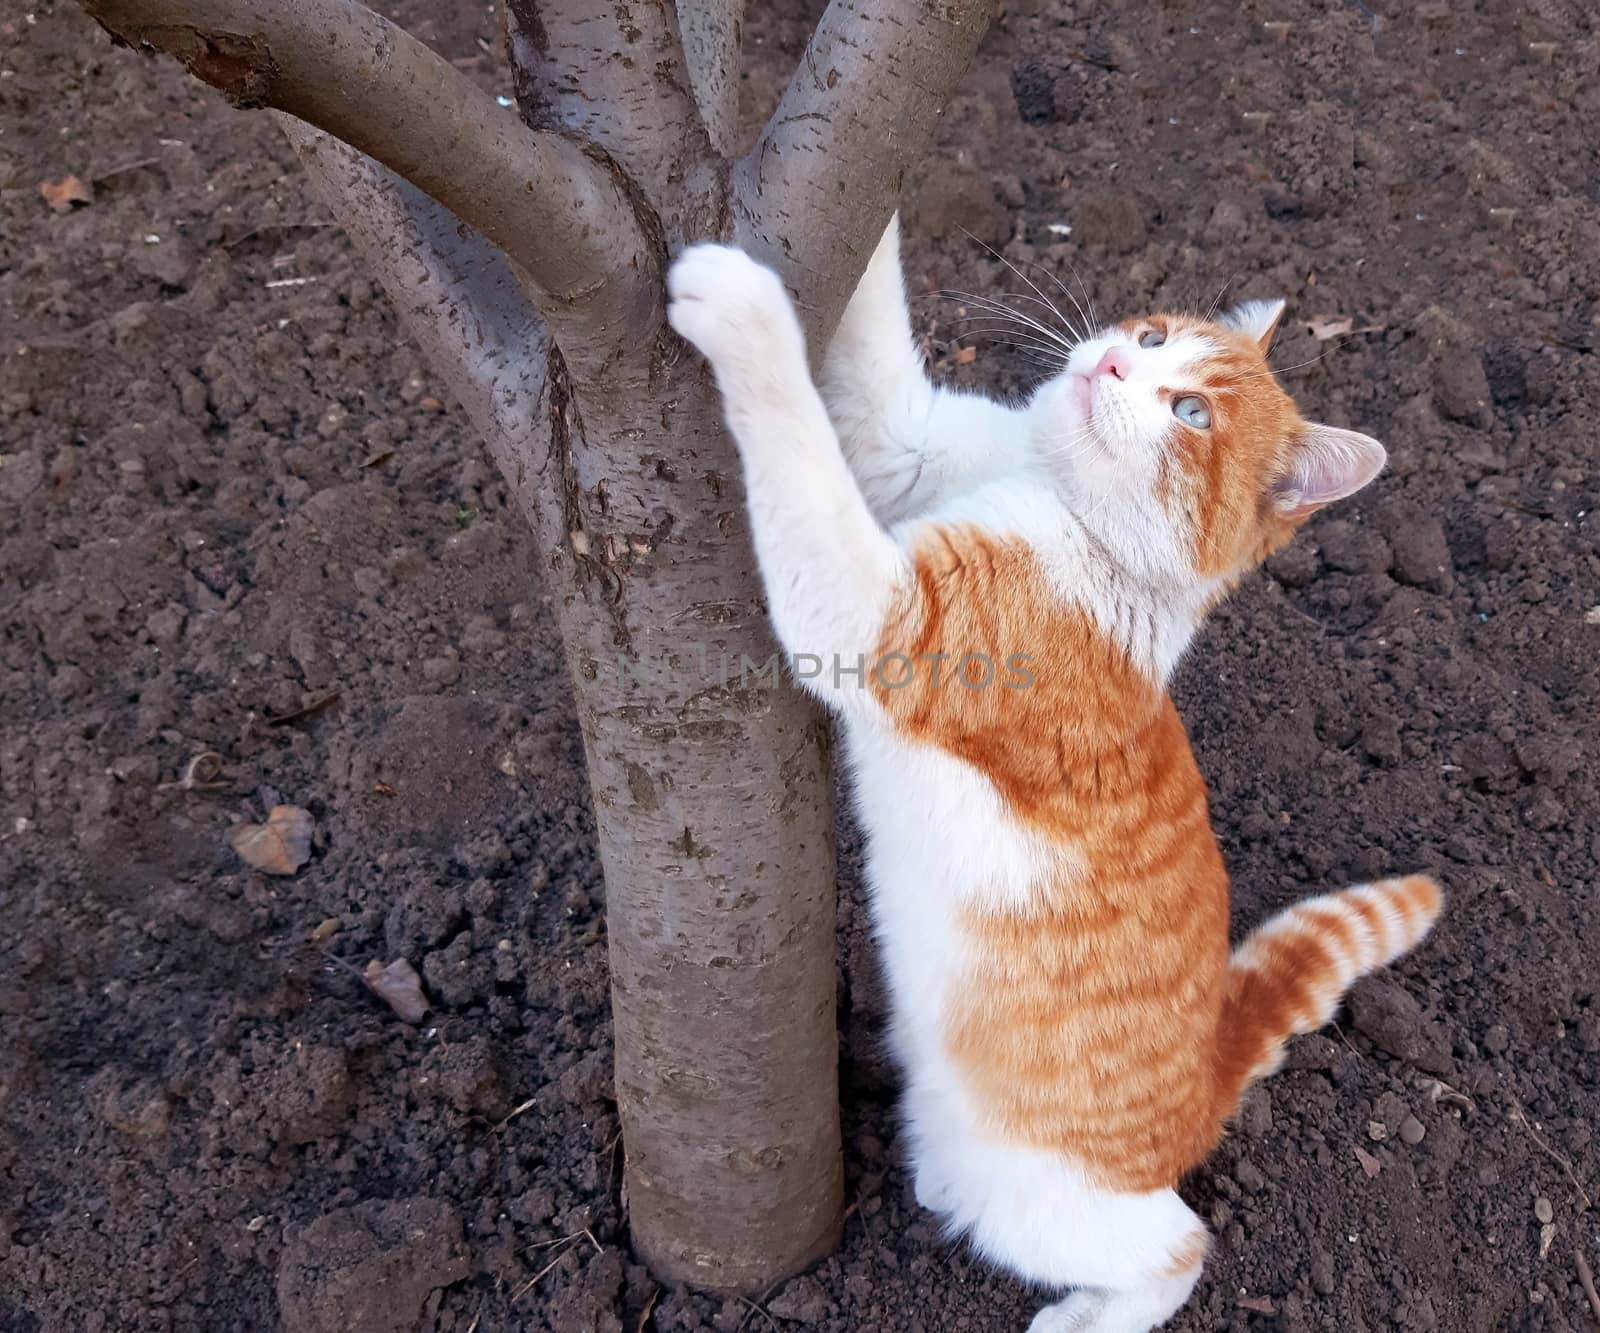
{"points": [[1191, 409], [1152, 338]]}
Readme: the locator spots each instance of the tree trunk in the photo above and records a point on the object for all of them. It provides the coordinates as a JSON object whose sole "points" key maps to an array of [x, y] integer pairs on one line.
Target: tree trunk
{"points": [[709, 784], [711, 795], [708, 770]]}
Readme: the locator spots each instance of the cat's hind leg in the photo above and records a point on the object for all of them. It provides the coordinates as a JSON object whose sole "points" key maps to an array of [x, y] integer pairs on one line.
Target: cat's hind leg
{"points": [[1143, 1295], [1132, 1259], [1129, 1310]]}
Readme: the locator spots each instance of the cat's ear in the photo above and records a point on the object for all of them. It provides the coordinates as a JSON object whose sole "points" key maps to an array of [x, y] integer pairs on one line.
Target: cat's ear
{"points": [[1325, 464], [1258, 319]]}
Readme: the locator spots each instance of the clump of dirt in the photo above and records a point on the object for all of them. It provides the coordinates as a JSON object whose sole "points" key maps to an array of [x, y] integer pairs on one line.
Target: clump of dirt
{"points": [[238, 516]]}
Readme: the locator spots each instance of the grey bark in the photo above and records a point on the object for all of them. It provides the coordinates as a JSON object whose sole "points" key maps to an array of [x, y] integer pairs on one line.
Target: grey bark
{"points": [[709, 781], [612, 73], [713, 36], [815, 193]]}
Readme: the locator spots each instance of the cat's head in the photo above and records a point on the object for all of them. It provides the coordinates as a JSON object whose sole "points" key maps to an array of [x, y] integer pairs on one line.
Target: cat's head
{"points": [[1182, 450]]}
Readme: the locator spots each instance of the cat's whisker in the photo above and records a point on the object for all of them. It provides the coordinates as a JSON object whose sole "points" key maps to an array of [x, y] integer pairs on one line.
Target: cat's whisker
{"points": [[1037, 290], [1272, 371], [1217, 300], [1070, 447], [1068, 293], [1077, 442], [996, 308], [1092, 317], [1071, 326], [1009, 320], [1022, 326], [992, 333]]}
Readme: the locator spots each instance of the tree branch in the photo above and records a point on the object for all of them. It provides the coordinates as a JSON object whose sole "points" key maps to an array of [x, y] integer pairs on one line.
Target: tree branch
{"points": [[713, 41], [814, 194], [611, 72], [462, 301], [338, 66]]}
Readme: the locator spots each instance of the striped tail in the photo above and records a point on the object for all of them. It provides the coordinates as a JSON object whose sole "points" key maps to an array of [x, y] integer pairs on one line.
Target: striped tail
{"points": [[1290, 975]]}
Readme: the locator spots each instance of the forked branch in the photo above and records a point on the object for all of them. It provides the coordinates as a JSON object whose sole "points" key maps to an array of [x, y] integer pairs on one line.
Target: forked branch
{"points": [[611, 73], [342, 68], [814, 194]]}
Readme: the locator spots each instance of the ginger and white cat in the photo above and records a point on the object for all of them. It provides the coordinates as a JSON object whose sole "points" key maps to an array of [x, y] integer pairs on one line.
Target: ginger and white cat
{"points": [[1018, 583]]}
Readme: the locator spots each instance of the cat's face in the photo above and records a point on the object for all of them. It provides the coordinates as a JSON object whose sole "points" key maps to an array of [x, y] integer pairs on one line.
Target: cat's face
{"points": [[1182, 449]]}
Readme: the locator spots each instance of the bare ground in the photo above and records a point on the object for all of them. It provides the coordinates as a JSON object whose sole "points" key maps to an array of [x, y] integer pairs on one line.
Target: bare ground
{"points": [[230, 489]]}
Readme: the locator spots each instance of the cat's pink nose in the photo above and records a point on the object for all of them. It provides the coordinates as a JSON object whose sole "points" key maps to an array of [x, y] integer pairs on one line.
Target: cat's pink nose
{"points": [[1117, 361]]}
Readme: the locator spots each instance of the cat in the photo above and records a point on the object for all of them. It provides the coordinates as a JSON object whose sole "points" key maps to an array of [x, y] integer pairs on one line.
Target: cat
{"points": [[1000, 594]]}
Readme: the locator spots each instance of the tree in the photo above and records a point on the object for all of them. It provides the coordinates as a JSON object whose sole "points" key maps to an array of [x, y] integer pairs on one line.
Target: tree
{"points": [[525, 254]]}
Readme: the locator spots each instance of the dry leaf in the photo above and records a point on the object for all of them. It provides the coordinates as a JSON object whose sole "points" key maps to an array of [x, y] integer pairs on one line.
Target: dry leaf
{"points": [[1547, 1234], [1332, 327], [966, 356], [280, 846], [1370, 1164], [431, 404], [398, 986], [1260, 1304], [61, 195], [326, 930]]}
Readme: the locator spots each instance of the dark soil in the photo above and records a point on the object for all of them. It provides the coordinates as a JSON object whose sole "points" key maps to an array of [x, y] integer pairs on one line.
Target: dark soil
{"points": [[228, 492]]}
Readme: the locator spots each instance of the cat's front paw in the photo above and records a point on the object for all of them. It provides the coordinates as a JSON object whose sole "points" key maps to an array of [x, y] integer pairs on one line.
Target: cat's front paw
{"points": [[736, 312]]}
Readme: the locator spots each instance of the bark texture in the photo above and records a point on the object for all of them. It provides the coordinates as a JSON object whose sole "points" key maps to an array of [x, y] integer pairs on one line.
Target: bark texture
{"points": [[709, 773], [713, 35], [814, 194]]}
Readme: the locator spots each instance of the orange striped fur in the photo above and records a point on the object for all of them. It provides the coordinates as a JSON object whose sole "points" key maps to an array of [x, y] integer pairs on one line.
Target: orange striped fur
{"points": [[1104, 1018]]}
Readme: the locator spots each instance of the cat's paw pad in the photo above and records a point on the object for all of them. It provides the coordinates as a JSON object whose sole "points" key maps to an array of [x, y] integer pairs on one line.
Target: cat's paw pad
{"points": [[733, 309]]}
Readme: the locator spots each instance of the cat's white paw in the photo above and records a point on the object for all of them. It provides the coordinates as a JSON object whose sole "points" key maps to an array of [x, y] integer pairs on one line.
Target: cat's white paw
{"points": [[736, 312], [1081, 1312], [936, 1196]]}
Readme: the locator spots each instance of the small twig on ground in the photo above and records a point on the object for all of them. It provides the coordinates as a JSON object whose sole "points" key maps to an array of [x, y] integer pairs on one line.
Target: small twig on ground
{"points": [[644, 1318], [564, 1247], [1550, 1152], [528, 1285], [201, 774], [276, 226], [754, 1308], [126, 166], [1346, 1040], [515, 1112], [305, 710], [1586, 1278]]}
